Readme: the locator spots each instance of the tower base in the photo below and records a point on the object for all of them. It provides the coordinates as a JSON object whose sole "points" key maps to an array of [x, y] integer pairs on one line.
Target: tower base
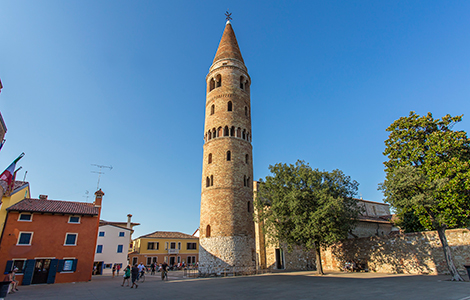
{"points": [[227, 255]]}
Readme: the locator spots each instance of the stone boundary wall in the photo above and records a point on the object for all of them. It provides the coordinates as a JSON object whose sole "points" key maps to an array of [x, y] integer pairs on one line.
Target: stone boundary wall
{"points": [[411, 253]]}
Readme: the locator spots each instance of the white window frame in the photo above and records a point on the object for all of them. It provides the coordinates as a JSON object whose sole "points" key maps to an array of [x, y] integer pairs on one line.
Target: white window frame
{"points": [[30, 220], [104, 233], [101, 249], [122, 248], [13, 264], [76, 238], [119, 235], [19, 236], [67, 258], [79, 219], [179, 245]]}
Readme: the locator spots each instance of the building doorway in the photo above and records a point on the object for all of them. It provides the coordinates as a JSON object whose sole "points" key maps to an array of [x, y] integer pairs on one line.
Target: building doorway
{"points": [[98, 268], [279, 259], [41, 271], [172, 260]]}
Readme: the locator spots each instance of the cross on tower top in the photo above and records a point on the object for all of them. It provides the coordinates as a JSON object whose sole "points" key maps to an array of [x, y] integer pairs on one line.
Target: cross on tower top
{"points": [[228, 16]]}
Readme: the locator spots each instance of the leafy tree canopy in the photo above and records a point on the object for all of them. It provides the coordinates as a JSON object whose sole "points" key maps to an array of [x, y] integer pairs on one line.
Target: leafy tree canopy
{"points": [[428, 175], [306, 207], [428, 171]]}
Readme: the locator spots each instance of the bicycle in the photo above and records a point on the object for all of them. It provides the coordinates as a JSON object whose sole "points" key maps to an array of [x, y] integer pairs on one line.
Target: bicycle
{"points": [[164, 274], [141, 278]]}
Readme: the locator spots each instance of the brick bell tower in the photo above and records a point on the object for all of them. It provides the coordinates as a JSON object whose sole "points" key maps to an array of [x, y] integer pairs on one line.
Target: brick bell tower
{"points": [[227, 233]]}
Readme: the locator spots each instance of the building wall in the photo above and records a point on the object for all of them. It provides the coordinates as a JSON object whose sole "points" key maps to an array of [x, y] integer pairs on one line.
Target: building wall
{"points": [[164, 252], [366, 229], [412, 253], [110, 242], [10, 200], [48, 240]]}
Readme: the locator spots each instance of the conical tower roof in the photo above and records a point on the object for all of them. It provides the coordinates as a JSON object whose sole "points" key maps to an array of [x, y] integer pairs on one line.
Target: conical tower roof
{"points": [[228, 46]]}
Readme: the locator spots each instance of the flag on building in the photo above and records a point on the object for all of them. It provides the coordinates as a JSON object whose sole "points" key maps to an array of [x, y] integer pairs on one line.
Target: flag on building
{"points": [[7, 175]]}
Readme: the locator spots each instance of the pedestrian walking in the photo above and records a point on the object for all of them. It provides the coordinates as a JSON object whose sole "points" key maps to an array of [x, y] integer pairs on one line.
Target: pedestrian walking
{"points": [[135, 275], [127, 275]]}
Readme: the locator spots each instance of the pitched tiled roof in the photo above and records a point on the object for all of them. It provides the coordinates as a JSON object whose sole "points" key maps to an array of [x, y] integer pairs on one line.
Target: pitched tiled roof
{"points": [[55, 206], [381, 219], [169, 234]]}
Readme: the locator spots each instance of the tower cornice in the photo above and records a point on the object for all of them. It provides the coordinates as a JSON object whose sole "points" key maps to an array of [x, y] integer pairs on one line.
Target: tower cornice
{"points": [[219, 68]]}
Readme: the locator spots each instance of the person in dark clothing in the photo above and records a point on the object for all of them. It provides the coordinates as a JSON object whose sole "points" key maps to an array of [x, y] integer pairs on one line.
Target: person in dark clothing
{"points": [[135, 274], [164, 270]]}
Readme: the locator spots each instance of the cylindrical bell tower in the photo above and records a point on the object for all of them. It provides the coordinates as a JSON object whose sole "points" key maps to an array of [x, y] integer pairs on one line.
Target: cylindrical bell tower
{"points": [[227, 241]]}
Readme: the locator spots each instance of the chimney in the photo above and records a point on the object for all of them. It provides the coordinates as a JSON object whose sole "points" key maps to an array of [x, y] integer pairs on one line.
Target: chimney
{"points": [[99, 197], [129, 216], [43, 197]]}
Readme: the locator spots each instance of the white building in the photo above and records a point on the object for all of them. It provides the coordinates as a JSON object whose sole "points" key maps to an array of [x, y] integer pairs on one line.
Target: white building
{"points": [[112, 246]]}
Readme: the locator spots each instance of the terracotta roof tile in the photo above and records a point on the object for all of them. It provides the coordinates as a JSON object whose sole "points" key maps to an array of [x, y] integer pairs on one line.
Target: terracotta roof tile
{"points": [[168, 234], [55, 206]]}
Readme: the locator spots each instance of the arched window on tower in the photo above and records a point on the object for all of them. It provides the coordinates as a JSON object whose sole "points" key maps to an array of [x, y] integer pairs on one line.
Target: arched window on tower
{"points": [[229, 106], [246, 158], [248, 182], [208, 182], [211, 84], [214, 133], [229, 156], [212, 180], [209, 135], [244, 180], [239, 132], [212, 109], [219, 131], [209, 158], [218, 80], [226, 131], [232, 131], [242, 85], [248, 206], [244, 134], [246, 111], [208, 231]]}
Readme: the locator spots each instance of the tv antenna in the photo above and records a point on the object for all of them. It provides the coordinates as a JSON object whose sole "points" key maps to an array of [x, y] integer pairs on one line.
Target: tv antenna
{"points": [[86, 195], [100, 172]]}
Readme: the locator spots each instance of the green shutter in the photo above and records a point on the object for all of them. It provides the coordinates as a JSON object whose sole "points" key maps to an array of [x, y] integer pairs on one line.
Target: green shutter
{"points": [[60, 265], [52, 271], [28, 272], [8, 267]]}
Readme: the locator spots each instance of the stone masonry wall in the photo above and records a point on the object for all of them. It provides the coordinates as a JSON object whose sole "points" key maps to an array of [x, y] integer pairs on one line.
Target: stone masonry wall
{"points": [[226, 254], [413, 253]]}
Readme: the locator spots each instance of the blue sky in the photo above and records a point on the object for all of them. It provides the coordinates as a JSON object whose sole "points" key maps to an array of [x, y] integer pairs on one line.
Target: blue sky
{"points": [[122, 84]]}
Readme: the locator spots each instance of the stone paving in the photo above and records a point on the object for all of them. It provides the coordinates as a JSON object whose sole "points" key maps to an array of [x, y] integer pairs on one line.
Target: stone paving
{"points": [[293, 285]]}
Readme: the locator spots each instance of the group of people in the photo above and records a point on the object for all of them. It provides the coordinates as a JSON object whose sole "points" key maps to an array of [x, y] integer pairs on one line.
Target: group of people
{"points": [[10, 277], [136, 271], [116, 267]]}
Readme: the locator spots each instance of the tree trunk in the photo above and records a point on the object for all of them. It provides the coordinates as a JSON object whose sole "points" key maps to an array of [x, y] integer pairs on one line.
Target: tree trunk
{"points": [[318, 259], [448, 254]]}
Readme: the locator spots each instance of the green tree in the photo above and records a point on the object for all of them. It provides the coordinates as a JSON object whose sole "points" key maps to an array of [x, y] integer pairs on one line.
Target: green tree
{"points": [[428, 174], [306, 207]]}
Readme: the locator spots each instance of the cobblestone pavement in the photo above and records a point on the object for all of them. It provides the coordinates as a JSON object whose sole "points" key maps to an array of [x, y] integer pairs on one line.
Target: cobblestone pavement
{"points": [[294, 285]]}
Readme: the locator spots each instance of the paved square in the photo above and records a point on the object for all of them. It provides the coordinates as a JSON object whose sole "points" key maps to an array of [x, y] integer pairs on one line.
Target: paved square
{"points": [[295, 285]]}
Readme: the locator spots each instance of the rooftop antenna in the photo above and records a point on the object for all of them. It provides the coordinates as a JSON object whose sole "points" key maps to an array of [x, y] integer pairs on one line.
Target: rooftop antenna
{"points": [[99, 172], [86, 195], [24, 178]]}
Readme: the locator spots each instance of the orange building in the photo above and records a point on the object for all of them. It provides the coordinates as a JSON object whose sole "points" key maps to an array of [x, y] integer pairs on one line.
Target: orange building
{"points": [[50, 241]]}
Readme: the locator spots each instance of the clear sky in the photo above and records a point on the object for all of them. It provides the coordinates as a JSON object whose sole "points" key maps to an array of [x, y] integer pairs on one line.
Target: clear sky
{"points": [[122, 84]]}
